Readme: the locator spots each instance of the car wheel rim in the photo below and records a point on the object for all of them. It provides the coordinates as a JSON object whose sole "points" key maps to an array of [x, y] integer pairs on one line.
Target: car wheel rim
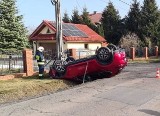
{"points": [[103, 54], [59, 66]]}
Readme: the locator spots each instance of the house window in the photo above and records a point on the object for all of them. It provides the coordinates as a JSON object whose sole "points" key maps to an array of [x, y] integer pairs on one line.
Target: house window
{"points": [[48, 31], [86, 46]]}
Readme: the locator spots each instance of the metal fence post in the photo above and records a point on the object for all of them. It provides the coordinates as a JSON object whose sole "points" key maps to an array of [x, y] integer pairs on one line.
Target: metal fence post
{"points": [[10, 58]]}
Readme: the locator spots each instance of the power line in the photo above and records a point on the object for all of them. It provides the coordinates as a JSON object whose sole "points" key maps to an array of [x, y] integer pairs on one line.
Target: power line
{"points": [[79, 5], [116, 5], [124, 2], [104, 1], [119, 0]]}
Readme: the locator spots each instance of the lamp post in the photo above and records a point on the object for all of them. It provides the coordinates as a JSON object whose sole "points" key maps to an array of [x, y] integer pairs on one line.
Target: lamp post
{"points": [[59, 41]]}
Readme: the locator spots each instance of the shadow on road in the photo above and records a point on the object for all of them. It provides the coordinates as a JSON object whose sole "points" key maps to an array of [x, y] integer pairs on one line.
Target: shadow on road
{"points": [[151, 112]]}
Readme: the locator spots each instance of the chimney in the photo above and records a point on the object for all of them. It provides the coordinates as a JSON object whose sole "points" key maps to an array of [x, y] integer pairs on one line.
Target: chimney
{"points": [[94, 12]]}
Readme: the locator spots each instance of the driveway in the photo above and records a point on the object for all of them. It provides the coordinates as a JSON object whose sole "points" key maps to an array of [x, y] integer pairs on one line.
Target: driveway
{"points": [[134, 92]]}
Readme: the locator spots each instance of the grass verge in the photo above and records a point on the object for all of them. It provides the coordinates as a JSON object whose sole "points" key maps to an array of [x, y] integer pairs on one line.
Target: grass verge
{"points": [[21, 88], [150, 60]]}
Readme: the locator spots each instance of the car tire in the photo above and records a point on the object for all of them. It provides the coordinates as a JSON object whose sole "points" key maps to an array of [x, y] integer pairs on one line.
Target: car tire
{"points": [[104, 55], [112, 47], [70, 59], [59, 66]]}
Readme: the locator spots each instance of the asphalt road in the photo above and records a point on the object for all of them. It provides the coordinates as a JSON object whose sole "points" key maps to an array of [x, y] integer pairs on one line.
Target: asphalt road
{"points": [[134, 92]]}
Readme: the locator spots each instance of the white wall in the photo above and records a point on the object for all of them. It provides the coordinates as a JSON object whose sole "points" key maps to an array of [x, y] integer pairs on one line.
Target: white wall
{"points": [[45, 30], [75, 45], [91, 46], [64, 45]]}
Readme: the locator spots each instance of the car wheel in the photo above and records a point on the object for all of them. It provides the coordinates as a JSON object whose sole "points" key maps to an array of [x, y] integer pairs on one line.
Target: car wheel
{"points": [[112, 47], [59, 66], [104, 54], [70, 59]]}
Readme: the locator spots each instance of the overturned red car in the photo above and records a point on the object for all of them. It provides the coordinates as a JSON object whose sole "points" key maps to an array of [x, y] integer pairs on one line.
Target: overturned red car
{"points": [[107, 62]]}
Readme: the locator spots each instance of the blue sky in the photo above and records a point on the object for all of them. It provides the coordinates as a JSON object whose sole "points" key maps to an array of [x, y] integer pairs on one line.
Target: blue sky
{"points": [[34, 11]]}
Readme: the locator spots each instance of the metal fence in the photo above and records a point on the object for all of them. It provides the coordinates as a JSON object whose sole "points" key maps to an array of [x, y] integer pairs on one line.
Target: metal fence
{"points": [[80, 53], [139, 52], [11, 62], [151, 52], [128, 52]]}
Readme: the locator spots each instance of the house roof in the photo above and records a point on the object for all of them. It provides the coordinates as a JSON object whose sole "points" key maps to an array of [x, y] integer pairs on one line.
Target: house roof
{"points": [[44, 37], [92, 36], [95, 17]]}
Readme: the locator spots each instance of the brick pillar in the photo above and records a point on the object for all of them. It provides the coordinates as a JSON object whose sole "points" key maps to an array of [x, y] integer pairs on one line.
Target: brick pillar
{"points": [[73, 53], [156, 51], [28, 62], [145, 51], [132, 51]]}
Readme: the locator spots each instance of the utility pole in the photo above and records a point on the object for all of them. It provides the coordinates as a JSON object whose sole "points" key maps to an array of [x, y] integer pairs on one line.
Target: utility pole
{"points": [[59, 41]]}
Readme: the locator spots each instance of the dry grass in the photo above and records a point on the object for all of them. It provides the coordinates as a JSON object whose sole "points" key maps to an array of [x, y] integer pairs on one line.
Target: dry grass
{"points": [[143, 60], [20, 88]]}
